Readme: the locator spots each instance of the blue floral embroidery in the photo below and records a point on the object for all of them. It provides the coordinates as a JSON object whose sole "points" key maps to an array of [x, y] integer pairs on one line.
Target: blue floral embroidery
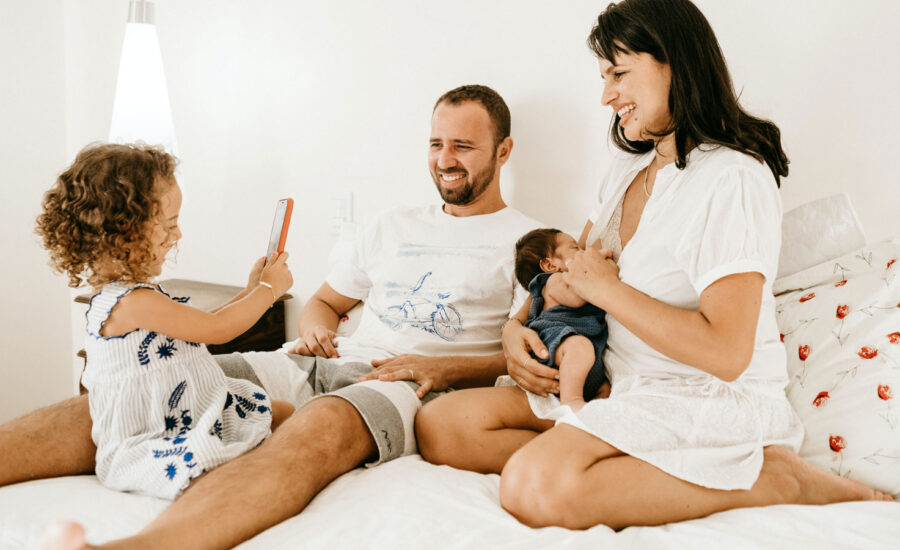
{"points": [[143, 358], [180, 421], [166, 349]]}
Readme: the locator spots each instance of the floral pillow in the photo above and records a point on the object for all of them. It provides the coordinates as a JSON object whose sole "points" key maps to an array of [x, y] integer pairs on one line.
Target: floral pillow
{"points": [[840, 324]]}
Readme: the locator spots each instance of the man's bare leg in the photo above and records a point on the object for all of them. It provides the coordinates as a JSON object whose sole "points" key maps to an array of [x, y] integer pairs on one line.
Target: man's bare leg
{"points": [[53, 441], [321, 441]]}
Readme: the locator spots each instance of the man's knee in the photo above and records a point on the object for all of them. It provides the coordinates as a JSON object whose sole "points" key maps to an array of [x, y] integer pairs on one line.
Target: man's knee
{"points": [[330, 423]]}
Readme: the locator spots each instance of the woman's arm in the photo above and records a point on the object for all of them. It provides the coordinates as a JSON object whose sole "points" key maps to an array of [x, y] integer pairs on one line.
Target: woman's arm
{"points": [[717, 339], [582, 240]]}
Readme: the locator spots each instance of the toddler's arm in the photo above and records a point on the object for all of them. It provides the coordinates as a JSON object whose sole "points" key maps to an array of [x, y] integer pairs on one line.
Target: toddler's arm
{"points": [[557, 293], [147, 309]]}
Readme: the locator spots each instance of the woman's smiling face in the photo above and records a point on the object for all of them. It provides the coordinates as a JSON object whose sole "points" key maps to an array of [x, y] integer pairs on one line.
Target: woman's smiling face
{"points": [[637, 88]]}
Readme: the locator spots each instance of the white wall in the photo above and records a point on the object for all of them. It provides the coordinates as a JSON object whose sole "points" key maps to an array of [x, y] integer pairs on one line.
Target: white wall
{"points": [[279, 97], [34, 333]]}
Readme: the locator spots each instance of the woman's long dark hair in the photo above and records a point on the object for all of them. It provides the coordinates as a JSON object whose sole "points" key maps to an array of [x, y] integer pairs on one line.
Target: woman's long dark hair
{"points": [[702, 101]]}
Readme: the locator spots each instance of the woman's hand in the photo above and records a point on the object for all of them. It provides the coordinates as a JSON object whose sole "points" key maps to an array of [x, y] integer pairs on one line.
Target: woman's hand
{"points": [[518, 341], [428, 372], [277, 274], [591, 272]]}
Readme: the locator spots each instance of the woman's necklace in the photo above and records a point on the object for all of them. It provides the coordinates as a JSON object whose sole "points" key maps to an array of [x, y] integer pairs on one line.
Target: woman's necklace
{"points": [[646, 177]]}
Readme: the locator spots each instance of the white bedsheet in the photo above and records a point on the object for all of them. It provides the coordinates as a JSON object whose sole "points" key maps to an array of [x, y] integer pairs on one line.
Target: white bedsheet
{"points": [[409, 503]]}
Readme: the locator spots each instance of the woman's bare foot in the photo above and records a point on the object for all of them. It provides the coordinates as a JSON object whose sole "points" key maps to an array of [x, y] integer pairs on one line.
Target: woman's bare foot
{"points": [[798, 482], [63, 536]]}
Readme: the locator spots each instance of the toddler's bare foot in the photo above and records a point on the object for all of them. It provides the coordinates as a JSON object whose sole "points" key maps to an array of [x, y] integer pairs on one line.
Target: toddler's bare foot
{"points": [[63, 536], [798, 482]]}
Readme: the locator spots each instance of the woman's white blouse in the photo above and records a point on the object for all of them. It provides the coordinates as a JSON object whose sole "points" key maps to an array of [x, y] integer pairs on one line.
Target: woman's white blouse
{"points": [[719, 216]]}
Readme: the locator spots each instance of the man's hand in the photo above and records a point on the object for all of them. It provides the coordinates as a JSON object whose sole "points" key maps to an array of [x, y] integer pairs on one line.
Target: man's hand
{"points": [[318, 341], [428, 372]]}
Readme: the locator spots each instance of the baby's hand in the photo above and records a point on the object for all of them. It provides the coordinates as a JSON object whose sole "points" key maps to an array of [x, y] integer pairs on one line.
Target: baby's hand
{"points": [[557, 292], [277, 274], [255, 272]]}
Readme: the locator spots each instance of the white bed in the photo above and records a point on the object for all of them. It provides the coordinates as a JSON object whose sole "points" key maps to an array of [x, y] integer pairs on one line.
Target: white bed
{"points": [[409, 503]]}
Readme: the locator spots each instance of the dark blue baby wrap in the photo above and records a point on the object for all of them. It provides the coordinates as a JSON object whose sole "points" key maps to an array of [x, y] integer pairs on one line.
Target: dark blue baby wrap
{"points": [[559, 322]]}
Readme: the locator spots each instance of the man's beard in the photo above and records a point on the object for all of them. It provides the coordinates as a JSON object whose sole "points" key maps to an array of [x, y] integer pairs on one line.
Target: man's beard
{"points": [[471, 190]]}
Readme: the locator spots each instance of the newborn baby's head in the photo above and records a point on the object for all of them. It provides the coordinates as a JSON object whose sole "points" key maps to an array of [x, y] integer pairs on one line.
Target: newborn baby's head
{"points": [[543, 251]]}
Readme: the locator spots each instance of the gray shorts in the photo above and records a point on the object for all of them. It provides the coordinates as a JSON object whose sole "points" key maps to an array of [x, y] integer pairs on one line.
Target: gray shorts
{"points": [[388, 408]]}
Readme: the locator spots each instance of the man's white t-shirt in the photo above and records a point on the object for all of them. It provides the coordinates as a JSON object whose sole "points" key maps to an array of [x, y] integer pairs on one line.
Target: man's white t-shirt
{"points": [[432, 284]]}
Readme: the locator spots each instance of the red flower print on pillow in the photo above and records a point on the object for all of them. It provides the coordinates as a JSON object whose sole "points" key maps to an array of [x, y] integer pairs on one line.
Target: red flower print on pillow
{"points": [[842, 311], [345, 318], [803, 352], [840, 283], [890, 263], [782, 337], [866, 352], [836, 443], [894, 337], [808, 297], [821, 399], [884, 392]]}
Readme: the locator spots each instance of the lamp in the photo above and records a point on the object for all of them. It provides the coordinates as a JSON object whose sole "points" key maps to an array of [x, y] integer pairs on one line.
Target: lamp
{"points": [[141, 108]]}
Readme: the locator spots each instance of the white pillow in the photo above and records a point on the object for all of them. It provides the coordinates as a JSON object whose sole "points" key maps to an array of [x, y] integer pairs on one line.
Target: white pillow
{"points": [[818, 231], [841, 327]]}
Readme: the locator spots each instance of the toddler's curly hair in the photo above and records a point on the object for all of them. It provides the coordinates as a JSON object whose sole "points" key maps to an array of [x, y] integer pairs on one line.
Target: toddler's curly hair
{"points": [[97, 215]]}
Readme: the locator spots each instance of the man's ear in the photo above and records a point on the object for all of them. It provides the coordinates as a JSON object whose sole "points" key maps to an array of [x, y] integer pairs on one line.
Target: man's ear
{"points": [[504, 148]]}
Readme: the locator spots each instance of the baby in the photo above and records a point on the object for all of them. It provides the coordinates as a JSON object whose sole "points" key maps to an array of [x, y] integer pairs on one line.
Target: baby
{"points": [[573, 330]]}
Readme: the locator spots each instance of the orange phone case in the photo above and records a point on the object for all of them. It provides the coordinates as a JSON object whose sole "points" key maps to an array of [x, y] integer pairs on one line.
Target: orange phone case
{"points": [[285, 224]]}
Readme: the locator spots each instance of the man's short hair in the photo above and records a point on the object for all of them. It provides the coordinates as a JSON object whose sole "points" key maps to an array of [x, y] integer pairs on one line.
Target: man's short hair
{"points": [[489, 99], [533, 247]]}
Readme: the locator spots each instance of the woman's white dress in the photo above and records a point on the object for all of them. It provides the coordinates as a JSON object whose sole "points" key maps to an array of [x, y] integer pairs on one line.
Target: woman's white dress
{"points": [[719, 216]]}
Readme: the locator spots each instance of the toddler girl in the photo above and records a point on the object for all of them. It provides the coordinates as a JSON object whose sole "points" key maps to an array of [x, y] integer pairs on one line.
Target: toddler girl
{"points": [[573, 330], [163, 413]]}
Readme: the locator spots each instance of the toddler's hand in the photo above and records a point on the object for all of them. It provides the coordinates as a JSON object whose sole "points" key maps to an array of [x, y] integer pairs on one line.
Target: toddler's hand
{"points": [[277, 274], [255, 272]]}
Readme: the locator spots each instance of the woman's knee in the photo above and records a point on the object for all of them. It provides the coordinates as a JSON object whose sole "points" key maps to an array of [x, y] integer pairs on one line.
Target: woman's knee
{"points": [[537, 492], [436, 430]]}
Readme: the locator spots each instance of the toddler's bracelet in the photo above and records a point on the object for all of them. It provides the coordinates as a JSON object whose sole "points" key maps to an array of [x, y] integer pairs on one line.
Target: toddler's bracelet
{"points": [[263, 283]]}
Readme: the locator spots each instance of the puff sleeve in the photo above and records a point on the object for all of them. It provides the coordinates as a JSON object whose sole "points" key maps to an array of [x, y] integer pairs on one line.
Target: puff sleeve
{"points": [[737, 229]]}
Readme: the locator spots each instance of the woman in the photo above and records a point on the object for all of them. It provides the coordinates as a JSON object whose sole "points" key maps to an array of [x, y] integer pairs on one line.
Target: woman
{"points": [[689, 220]]}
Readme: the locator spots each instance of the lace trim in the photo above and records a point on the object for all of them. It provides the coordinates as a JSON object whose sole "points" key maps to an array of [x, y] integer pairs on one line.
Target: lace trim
{"points": [[610, 237]]}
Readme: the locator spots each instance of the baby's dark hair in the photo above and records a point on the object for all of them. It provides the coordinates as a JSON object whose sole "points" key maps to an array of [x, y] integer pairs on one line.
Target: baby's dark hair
{"points": [[100, 210], [533, 247]]}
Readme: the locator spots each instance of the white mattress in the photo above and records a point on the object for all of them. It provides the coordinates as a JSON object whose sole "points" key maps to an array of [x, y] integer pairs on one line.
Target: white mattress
{"points": [[409, 503]]}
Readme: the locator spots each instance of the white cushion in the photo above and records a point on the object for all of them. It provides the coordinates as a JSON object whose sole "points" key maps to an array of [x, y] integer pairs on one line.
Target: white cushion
{"points": [[840, 323], [818, 231]]}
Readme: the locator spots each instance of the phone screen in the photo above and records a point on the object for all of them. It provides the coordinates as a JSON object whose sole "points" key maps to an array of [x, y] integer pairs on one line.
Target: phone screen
{"points": [[279, 227]]}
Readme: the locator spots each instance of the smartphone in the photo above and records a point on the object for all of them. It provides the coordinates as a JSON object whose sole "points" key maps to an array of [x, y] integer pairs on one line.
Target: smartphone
{"points": [[280, 225]]}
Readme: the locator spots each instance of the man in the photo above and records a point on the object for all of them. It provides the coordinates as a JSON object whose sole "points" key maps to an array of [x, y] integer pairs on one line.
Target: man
{"points": [[436, 282]]}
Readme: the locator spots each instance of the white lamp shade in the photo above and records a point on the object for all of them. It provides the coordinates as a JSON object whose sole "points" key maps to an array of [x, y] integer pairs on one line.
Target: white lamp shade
{"points": [[141, 110]]}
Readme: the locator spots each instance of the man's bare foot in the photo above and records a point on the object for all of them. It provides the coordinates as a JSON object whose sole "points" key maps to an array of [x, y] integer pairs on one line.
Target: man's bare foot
{"points": [[798, 482], [63, 536]]}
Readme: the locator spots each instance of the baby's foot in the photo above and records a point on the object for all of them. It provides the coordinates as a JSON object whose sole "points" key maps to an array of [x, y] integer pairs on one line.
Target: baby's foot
{"points": [[575, 403], [65, 535]]}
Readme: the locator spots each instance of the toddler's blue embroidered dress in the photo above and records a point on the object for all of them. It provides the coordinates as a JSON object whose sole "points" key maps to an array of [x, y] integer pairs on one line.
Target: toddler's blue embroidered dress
{"points": [[162, 409]]}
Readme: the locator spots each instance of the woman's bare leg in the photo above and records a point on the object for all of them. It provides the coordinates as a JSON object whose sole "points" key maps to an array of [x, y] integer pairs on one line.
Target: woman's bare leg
{"points": [[477, 429], [569, 478], [53, 441]]}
